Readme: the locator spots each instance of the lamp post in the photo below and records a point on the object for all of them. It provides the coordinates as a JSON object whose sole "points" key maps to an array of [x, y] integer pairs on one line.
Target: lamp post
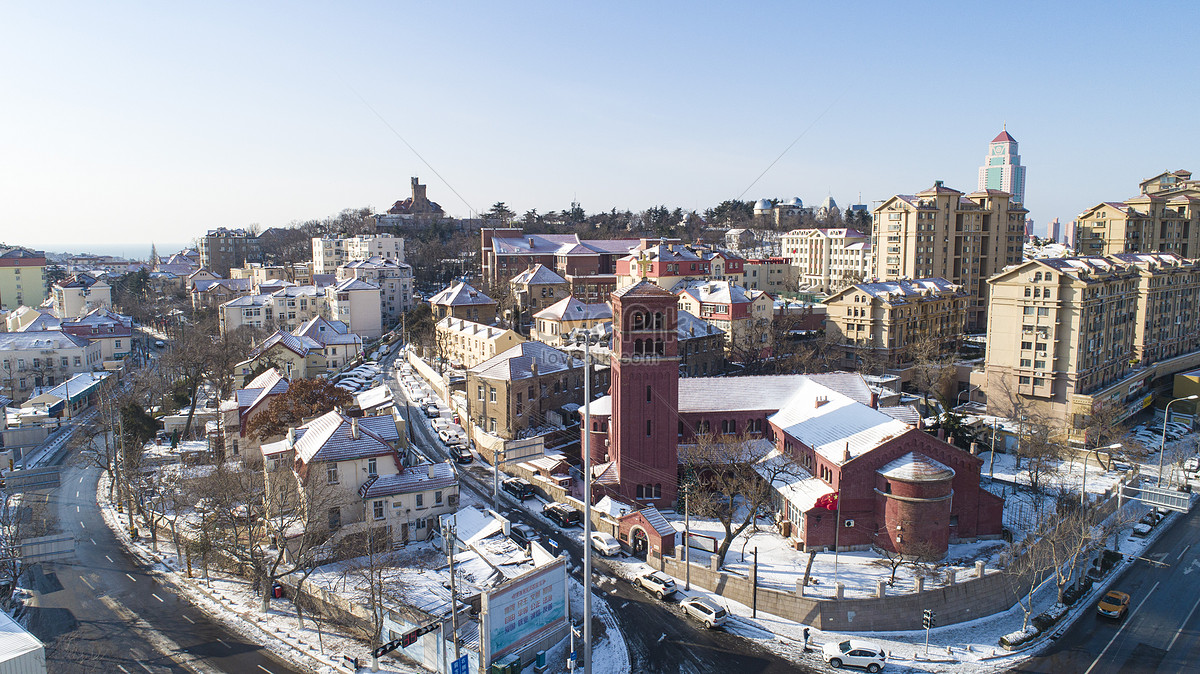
{"points": [[586, 338], [1087, 454], [497, 459], [958, 400], [1162, 447]]}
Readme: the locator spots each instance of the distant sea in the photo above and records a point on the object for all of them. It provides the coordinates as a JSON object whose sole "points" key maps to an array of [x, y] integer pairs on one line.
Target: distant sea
{"points": [[129, 251]]}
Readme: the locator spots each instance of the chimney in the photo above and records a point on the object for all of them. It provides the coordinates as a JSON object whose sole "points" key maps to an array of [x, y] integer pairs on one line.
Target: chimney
{"points": [[974, 449], [353, 428], [291, 437], [430, 472], [941, 434], [874, 400], [820, 400], [846, 452], [533, 367]]}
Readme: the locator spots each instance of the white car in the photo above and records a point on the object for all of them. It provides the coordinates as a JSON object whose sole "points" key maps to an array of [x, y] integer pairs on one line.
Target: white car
{"points": [[605, 544], [704, 610], [657, 583], [855, 653]]}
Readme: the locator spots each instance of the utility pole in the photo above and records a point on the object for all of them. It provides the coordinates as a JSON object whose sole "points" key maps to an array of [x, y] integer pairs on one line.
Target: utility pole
{"points": [[449, 531], [586, 337], [687, 537], [754, 585]]}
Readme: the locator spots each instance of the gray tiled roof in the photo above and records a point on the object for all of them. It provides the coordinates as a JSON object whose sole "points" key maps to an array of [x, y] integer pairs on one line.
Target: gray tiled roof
{"points": [[42, 339], [460, 294], [516, 363], [538, 274], [413, 479], [328, 438]]}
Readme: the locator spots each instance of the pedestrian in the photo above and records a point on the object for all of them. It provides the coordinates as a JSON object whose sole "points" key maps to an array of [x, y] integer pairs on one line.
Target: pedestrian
{"points": [[805, 639]]}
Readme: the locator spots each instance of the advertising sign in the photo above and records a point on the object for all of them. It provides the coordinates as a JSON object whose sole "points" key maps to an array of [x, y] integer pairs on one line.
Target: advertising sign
{"points": [[524, 609]]}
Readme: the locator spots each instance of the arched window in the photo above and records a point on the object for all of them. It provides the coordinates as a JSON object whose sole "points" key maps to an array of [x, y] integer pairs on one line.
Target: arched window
{"points": [[638, 320], [648, 394], [658, 320], [657, 491], [659, 347], [641, 491]]}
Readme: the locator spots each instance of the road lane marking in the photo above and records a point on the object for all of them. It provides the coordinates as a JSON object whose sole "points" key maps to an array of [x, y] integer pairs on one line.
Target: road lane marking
{"points": [[77, 494], [224, 644], [1183, 624], [145, 667], [93, 541], [81, 522], [123, 669], [110, 561], [131, 577], [77, 510], [85, 582], [189, 619], [81, 480], [1183, 552], [156, 597], [1120, 629], [265, 669]]}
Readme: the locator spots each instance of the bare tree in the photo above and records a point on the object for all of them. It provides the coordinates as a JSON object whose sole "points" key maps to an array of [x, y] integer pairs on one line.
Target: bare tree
{"points": [[1039, 447], [1025, 566], [735, 475], [368, 571]]}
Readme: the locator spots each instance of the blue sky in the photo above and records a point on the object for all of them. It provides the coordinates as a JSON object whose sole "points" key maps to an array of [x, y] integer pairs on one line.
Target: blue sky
{"points": [[128, 122]]}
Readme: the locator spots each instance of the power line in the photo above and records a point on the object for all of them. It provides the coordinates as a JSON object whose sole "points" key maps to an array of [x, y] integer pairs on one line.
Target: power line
{"points": [[410, 147], [793, 143]]}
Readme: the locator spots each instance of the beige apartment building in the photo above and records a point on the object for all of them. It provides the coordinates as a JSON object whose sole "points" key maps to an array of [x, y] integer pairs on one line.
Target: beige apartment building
{"points": [[329, 253], [1163, 217], [828, 259], [468, 344], [940, 232], [1067, 334], [886, 320]]}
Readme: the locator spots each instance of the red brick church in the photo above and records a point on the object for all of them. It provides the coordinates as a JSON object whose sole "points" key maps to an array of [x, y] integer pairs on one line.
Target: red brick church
{"points": [[899, 487]]}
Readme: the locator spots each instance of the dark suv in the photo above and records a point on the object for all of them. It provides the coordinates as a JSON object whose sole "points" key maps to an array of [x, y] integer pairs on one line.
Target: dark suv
{"points": [[523, 534], [518, 487], [563, 515]]}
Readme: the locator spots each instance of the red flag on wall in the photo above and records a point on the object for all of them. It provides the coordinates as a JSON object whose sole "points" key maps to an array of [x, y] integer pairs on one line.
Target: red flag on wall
{"points": [[827, 501]]}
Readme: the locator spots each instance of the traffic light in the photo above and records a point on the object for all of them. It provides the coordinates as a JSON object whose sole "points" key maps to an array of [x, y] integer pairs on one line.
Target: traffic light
{"points": [[408, 639], [929, 619]]}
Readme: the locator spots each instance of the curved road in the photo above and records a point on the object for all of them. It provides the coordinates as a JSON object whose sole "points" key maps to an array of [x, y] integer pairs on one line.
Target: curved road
{"points": [[658, 636], [103, 612]]}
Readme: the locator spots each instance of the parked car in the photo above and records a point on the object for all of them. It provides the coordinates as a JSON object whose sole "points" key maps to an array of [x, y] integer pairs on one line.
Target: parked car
{"points": [[462, 454], [704, 610], [523, 534], [563, 515], [657, 583], [1141, 529], [518, 487], [431, 410], [605, 544], [855, 653], [1114, 604]]}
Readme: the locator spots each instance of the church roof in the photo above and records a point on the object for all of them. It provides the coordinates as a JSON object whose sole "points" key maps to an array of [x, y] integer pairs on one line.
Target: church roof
{"points": [[643, 289]]}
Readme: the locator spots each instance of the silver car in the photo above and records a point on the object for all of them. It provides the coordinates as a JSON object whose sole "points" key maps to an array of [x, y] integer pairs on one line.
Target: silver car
{"points": [[704, 610]]}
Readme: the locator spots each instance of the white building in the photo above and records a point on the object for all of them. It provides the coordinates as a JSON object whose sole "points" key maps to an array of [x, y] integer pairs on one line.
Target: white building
{"points": [[286, 308], [79, 294], [394, 279], [828, 259], [43, 358], [333, 252], [357, 304]]}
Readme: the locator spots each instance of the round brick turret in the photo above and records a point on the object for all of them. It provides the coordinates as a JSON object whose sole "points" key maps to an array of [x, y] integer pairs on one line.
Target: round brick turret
{"points": [[913, 496]]}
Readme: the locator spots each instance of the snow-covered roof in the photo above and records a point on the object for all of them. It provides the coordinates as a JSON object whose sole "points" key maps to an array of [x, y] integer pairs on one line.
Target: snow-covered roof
{"points": [[916, 467], [538, 274], [601, 406], [15, 641], [413, 479], [374, 397], [329, 437], [572, 309], [460, 294], [718, 292], [688, 327], [834, 425], [518, 362], [792, 481], [764, 392]]}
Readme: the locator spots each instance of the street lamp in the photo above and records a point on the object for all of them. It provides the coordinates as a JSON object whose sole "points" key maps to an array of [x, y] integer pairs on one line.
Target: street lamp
{"points": [[1087, 453], [586, 338], [958, 400], [1162, 447]]}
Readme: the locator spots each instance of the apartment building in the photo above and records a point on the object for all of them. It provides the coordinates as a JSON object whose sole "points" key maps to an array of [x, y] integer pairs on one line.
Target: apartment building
{"points": [[206, 293], [299, 273], [885, 320], [329, 253], [357, 304], [828, 260], [1067, 334], [512, 392], [394, 279], [464, 302], [666, 265], [701, 346], [772, 274], [113, 331], [22, 277], [942, 233], [467, 344], [29, 360], [744, 315], [286, 308], [317, 347], [223, 249], [77, 295], [1163, 217]]}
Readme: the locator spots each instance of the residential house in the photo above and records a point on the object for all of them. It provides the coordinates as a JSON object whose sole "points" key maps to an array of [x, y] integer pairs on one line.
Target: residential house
{"points": [[22, 277], [537, 288], [111, 330], [77, 295], [553, 325], [884, 321], [463, 302], [317, 347], [509, 395], [393, 278], [467, 344], [744, 315], [30, 360], [357, 304], [329, 253], [222, 249]]}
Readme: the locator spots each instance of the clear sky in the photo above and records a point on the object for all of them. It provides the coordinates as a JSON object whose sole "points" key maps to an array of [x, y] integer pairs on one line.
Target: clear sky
{"points": [[130, 122]]}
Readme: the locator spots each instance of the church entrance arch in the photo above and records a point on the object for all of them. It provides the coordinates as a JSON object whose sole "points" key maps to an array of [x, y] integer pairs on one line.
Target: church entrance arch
{"points": [[638, 542]]}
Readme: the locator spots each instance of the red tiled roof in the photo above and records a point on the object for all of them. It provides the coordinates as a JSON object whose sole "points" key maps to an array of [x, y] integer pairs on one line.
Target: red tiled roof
{"points": [[1004, 138]]}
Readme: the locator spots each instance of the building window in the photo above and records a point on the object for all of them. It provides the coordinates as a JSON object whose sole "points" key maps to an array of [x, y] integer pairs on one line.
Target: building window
{"points": [[492, 394], [378, 509], [371, 467], [437, 497], [648, 427], [420, 500], [648, 398], [1043, 311], [481, 393], [335, 518], [331, 473]]}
